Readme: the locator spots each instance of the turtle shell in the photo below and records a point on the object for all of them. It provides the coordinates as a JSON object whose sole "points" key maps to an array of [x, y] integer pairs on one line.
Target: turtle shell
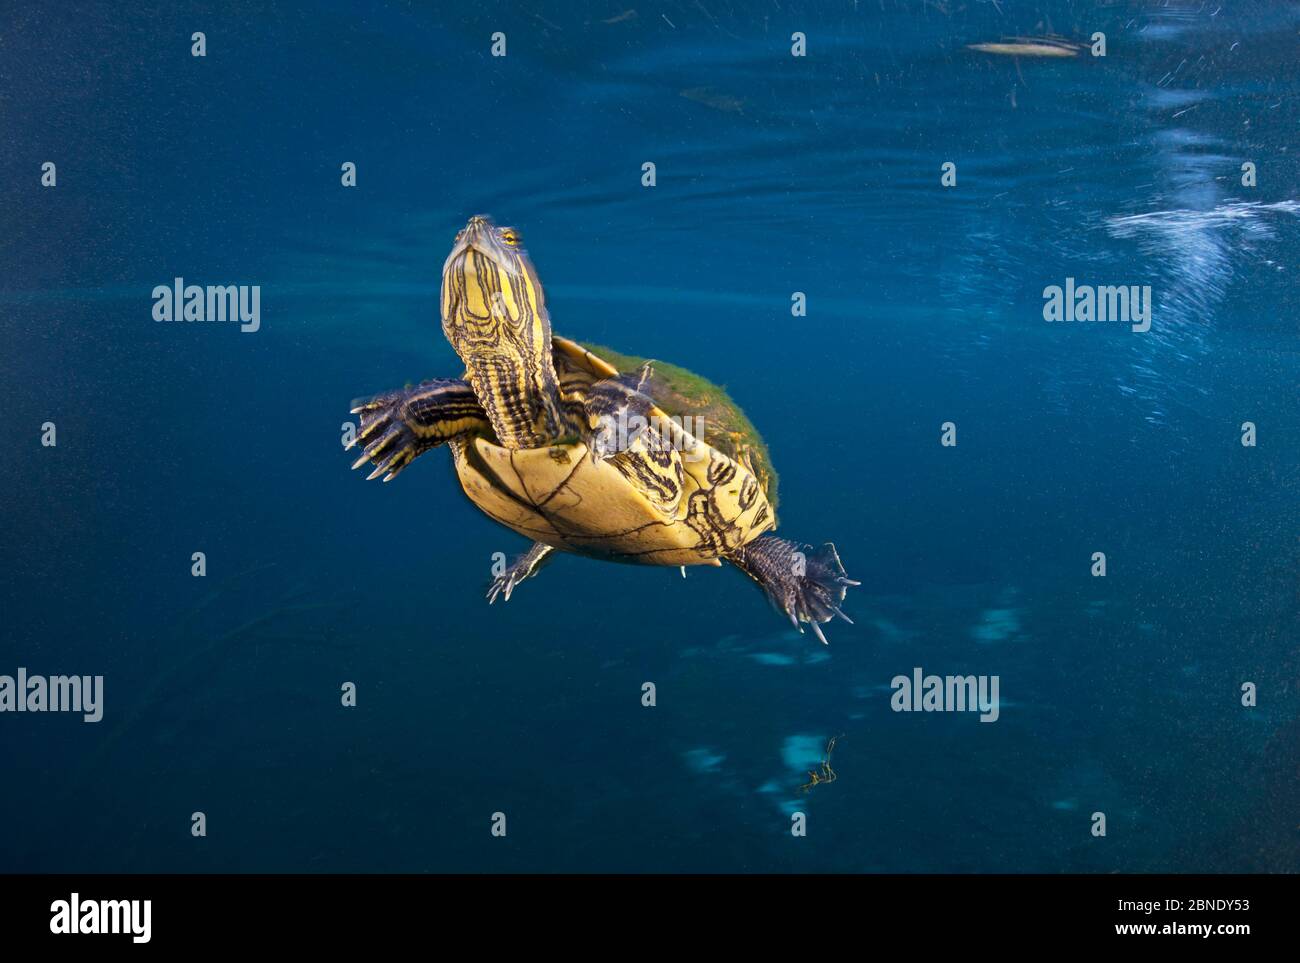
{"points": [[679, 392], [644, 506]]}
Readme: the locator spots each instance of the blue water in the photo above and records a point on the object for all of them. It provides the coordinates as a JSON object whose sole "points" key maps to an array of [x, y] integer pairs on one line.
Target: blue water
{"points": [[775, 174]]}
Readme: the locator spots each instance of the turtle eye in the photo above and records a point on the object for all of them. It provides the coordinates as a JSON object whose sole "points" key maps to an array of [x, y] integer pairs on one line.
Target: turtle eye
{"points": [[510, 237]]}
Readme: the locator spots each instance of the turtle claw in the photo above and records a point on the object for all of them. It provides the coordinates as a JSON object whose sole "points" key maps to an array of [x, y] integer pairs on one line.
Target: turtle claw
{"points": [[503, 586], [525, 566], [821, 589], [808, 585], [389, 443]]}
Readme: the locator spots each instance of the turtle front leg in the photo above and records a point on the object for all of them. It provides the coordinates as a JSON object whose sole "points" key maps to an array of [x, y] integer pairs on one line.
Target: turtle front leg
{"points": [[525, 566], [398, 425], [807, 585]]}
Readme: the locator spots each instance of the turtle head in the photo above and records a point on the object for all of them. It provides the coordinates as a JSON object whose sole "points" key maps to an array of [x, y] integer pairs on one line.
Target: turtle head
{"points": [[494, 315], [492, 301]]}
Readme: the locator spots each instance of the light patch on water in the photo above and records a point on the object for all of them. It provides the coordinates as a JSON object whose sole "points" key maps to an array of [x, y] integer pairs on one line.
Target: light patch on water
{"points": [[889, 631], [771, 658], [996, 625], [1179, 225], [1175, 98], [780, 649], [802, 753], [1086, 784], [867, 691], [1202, 250], [703, 760]]}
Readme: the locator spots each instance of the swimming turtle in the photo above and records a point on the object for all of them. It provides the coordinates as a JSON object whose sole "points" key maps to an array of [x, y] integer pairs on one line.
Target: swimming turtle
{"points": [[650, 465]]}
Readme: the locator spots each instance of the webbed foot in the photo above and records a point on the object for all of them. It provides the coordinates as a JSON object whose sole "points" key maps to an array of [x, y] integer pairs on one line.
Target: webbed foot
{"points": [[808, 586], [388, 442], [525, 566], [399, 425]]}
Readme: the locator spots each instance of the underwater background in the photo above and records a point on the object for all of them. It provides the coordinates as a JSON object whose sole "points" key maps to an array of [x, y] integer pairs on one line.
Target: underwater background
{"points": [[775, 174]]}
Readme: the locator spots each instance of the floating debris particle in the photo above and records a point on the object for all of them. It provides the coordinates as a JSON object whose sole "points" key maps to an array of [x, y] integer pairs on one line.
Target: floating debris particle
{"points": [[1031, 47], [715, 99], [824, 773]]}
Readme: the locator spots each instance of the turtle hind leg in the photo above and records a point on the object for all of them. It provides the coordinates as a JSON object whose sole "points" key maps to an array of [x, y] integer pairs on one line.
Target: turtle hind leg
{"points": [[807, 585], [525, 566]]}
